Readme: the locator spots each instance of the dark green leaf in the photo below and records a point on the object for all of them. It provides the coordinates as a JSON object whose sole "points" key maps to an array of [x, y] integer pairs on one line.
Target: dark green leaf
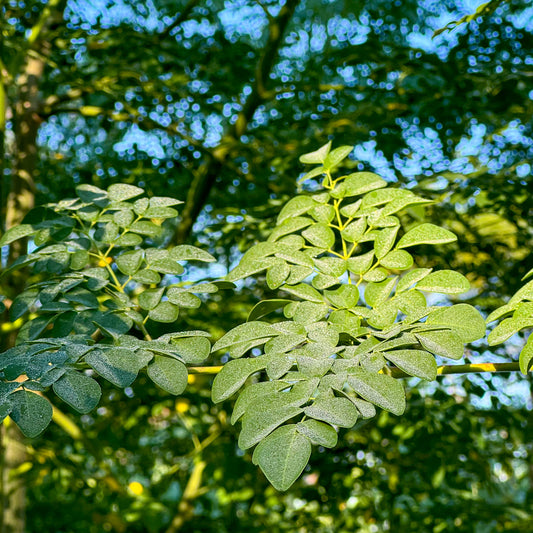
{"points": [[78, 390], [31, 412], [338, 411], [164, 312], [169, 374]]}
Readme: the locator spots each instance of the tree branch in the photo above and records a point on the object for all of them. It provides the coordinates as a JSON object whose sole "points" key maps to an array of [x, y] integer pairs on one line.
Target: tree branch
{"points": [[206, 177]]}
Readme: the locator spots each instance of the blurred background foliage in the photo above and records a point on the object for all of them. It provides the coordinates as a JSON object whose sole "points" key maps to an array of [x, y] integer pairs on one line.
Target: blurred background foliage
{"points": [[212, 102]]}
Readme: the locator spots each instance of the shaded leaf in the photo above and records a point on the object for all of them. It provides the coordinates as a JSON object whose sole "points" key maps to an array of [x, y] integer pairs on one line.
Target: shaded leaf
{"points": [[169, 374]]}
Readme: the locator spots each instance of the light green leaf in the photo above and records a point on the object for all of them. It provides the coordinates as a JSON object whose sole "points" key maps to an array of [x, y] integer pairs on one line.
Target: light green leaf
{"points": [[186, 252], [291, 225], [377, 293], [345, 297], [507, 328], [318, 433], [337, 411], [444, 281], [379, 389], [384, 241], [311, 174], [249, 267], [123, 218], [146, 276], [296, 257], [426, 234], [332, 266], [411, 277], [318, 156], [266, 307], [336, 156], [526, 356], [305, 292], [118, 192], [129, 240], [376, 275], [361, 263], [524, 293], [31, 413], [401, 203], [78, 390], [129, 262], [463, 319], [160, 212], [296, 206], [17, 232], [163, 201], [323, 213], [398, 260], [277, 274], [362, 182], [166, 266], [320, 235], [170, 374], [233, 376], [355, 230], [164, 312], [244, 333], [501, 311], [414, 362], [141, 205], [79, 259], [282, 456], [120, 366], [445, 343]]}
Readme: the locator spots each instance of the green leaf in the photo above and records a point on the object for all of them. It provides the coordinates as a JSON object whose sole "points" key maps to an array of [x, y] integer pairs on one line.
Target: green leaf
{"points": [[501, 311], [338, 411], [291, 225], [245, 332], [186, 252], [362, 182], [318, 433], [416, 363], [233, 376], [129, 262], [295, 257], [426, 234], [266, 307], [384, 241], [411, 277], [17, 232], [79, 259], [361, 263], [263, 418], [143, 227], [507, 328], [355, 230], [164, 312], [163, 201], [146, 276], [120, 366], [277, 274], [169, 374], [377, 293], [444, 281], [463, 319], [311, 174], [22, 303], [91, 194], [141, 205], [398, 259], [118, 192], [165, 266], [323, 213], [526, 356], [31, 412], [249, 267], [282, 456], [445, 343], [318, 156], [150, 298], [305, 292], [296, 206], [184, 299], [123, 218], [160, 212], [129, 239], [524, 293], [332, 266], [345, 297], [309, 312], [193, 350], [253, 394], [336, 156], [320, 235], [78, 390], [379, 389]]}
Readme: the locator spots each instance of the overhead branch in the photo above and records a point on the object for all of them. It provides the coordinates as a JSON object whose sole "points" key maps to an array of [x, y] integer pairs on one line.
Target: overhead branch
{"points": [[203, 183], [180, 19]]}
